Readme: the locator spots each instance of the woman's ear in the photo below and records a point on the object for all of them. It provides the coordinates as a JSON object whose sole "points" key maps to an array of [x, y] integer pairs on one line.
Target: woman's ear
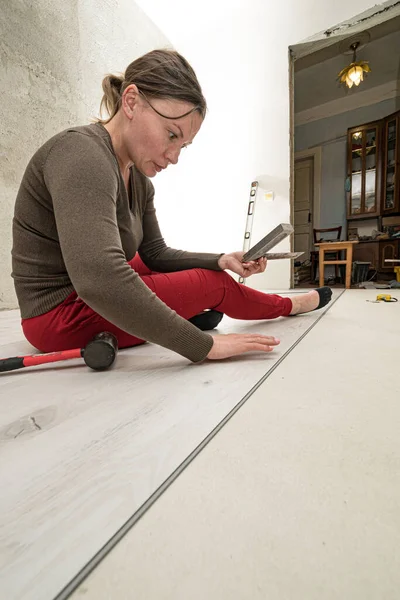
{"points": [[130, 100]]}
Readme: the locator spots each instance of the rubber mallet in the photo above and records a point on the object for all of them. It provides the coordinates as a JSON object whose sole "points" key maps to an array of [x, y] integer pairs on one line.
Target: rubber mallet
{"points": [[99, 354]]}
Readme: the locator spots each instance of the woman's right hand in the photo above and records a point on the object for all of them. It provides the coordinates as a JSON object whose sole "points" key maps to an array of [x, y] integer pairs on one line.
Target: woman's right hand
{"points": [[233, 344]]}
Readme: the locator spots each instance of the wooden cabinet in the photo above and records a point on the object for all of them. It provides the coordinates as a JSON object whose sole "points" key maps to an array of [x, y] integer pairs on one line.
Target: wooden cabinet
{"points": [[373, 169], [367, 252], [376, 253], [391, 165], [373, 187]]}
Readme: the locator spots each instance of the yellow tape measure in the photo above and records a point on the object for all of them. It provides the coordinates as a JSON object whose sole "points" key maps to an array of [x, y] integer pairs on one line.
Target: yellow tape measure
{"points": [[384, 298]]}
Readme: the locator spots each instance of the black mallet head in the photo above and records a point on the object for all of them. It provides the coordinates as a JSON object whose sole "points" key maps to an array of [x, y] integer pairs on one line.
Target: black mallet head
{"points": [[100, 353]]}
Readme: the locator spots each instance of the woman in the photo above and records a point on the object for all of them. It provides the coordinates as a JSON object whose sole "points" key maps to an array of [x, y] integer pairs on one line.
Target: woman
{"points": [[88, 255]]}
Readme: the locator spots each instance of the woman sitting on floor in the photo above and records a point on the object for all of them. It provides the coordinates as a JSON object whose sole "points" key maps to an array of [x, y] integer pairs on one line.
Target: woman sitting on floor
{"points": [[88, 254]]}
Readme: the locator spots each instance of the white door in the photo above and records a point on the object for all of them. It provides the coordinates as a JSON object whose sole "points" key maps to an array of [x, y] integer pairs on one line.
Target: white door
{"points": [[303, 205]]}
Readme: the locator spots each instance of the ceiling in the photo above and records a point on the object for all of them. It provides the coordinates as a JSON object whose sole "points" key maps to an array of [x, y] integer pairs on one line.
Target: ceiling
{"points": [[316, 83]]}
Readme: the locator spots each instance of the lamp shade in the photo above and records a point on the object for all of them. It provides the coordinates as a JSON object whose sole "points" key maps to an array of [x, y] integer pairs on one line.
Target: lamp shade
{"points": [[353, 74]]}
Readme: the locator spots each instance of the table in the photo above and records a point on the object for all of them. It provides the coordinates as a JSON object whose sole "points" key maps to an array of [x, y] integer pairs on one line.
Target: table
{"points": [[329, 247]]}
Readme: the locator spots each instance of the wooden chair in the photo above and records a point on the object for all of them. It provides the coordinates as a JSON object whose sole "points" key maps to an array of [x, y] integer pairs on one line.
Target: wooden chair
{"points": [[335, 255]]}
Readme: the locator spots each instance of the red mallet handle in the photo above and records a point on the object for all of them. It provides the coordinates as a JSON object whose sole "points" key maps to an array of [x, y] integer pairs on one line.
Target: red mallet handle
{"points": [[19, 362]]}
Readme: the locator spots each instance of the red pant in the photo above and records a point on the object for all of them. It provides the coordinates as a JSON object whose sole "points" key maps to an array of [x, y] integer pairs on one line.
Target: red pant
{"points": [[73, 323]]}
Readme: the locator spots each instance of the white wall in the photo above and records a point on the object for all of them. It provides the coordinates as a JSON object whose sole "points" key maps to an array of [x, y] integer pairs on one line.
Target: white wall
{"points": [[239, 49], [54, 59], [54, 56]]}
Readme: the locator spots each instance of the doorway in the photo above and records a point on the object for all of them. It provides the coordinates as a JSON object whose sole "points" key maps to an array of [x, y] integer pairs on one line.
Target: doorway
{"points": [[323, 111]]}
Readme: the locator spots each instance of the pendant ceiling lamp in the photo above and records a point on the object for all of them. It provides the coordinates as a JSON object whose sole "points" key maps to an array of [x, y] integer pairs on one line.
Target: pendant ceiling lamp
{"points": [[353, 74]]}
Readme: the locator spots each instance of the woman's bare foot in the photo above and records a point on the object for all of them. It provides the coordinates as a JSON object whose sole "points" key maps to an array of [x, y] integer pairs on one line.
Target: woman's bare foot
{"points": [[318, 298]]}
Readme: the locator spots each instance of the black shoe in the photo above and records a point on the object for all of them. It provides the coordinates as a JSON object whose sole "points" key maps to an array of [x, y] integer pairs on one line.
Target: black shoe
{"points": [[208, 319]]}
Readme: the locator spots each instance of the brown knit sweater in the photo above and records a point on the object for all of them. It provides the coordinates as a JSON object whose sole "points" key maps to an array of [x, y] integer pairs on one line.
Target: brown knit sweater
{"points": [[75, 228]]}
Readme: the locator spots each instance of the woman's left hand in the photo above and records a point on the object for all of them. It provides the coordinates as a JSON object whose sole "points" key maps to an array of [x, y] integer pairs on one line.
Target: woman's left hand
{"points": [[233, 262]]}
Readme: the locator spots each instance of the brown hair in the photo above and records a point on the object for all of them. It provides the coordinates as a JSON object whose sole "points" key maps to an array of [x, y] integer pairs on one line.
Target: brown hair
{"points": [[158, 74]]}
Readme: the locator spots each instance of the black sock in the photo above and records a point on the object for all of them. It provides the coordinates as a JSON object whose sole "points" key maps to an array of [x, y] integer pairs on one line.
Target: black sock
{"points": [[207, 320], [325, 296]]}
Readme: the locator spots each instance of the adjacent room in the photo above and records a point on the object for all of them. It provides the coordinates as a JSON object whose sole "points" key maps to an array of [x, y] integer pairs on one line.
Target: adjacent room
{"points": [[347, 156]]}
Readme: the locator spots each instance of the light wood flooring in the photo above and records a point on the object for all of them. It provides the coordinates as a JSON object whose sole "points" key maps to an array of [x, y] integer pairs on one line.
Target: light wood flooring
{"points": [[81, 452]]}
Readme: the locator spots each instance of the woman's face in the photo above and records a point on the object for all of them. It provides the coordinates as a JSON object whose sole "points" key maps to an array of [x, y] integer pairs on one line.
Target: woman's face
{"points": [[152, 142]]}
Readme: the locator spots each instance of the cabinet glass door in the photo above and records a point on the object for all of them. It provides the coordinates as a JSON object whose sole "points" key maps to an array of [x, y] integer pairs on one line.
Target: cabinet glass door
{"points": [[370, 171], [356, 171], [363, 197], [390, 165]]}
